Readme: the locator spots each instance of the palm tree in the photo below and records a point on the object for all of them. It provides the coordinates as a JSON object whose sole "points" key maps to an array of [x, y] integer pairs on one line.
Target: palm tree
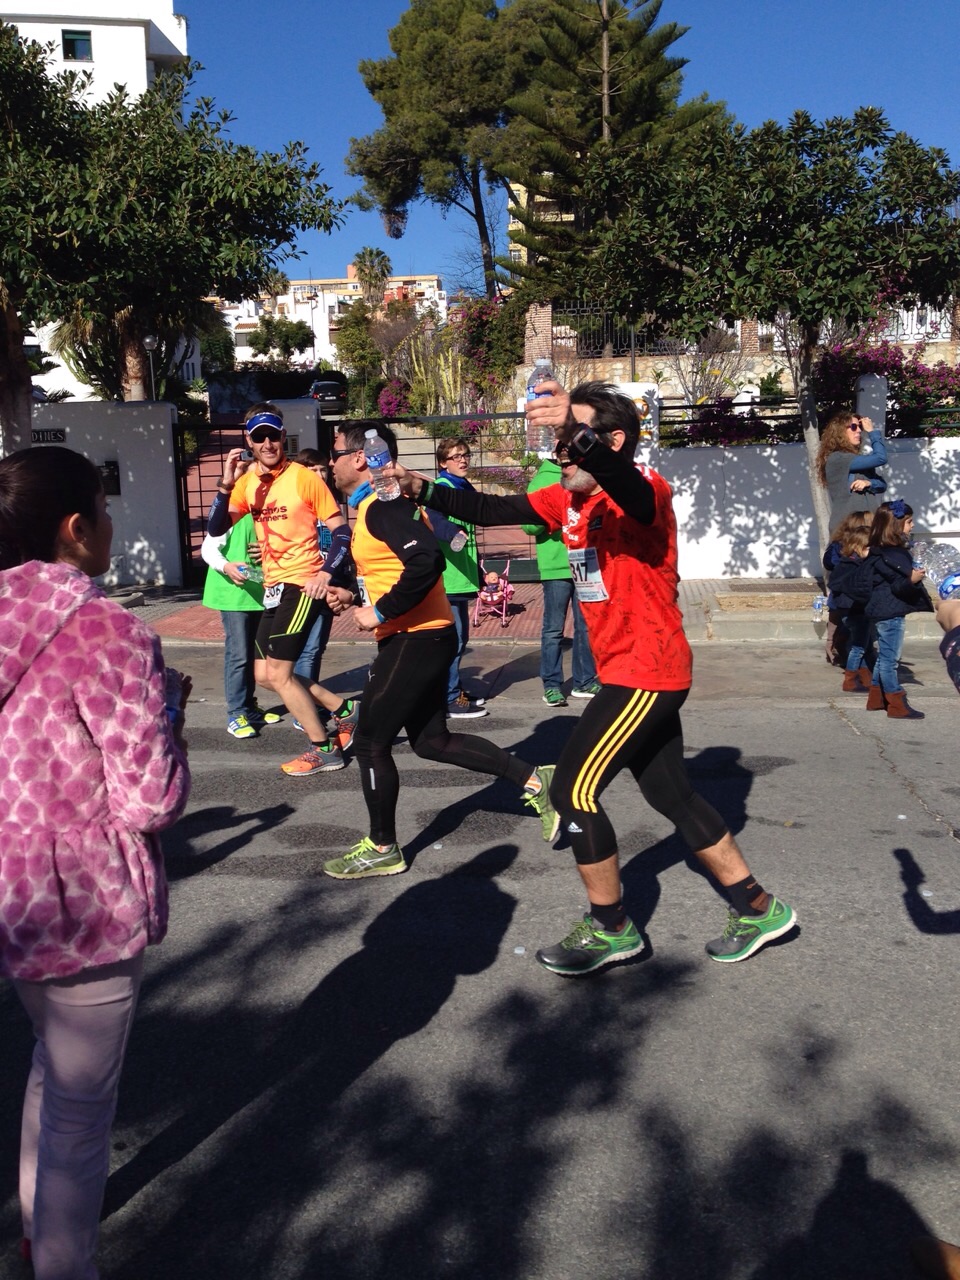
{"points": [[373, 269], [275, 284]]}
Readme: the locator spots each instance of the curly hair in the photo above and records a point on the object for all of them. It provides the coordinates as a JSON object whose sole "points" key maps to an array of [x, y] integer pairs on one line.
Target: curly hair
{"points": [[853, 533], [835, 437]]}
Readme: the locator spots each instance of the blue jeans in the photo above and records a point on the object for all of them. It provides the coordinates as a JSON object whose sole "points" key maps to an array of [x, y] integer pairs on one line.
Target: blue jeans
{"points": [[239, 687], [558, 596], [460, 606], [308, 664], [889, 647], [858, 629]]}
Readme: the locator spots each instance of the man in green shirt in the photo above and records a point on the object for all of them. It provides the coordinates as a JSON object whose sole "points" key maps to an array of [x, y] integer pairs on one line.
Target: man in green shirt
{"points": [[558, 597]]}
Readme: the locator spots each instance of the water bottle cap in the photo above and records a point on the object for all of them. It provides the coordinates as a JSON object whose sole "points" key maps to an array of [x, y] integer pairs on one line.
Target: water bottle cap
{"points": [[371, 434]]}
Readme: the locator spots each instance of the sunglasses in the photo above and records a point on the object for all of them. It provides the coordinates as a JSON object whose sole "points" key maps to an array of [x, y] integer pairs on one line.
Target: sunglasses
{"points": [[342, 453], [260, 435]]}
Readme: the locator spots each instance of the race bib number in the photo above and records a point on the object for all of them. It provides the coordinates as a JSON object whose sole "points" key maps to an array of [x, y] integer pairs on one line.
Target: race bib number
{"points": [[362, 588], [271, 596], [587, 579]]}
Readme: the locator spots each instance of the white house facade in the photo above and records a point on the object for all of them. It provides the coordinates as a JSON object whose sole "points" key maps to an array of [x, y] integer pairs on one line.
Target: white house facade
{"points": [[119, 41]]}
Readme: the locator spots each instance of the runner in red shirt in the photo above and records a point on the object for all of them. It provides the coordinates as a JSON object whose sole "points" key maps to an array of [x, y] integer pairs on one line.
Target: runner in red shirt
{"points": [[620, 532]]}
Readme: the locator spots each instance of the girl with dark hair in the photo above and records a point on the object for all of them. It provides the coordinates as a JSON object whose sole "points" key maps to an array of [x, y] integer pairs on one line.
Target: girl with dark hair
{"points": [[896, 591], [93, 766]]}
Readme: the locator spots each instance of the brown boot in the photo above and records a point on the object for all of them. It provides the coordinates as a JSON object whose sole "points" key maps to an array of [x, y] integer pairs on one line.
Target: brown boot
{"points": [[936, 1258], [852, 684], [898, 708], [875, 699], [866, 677]]}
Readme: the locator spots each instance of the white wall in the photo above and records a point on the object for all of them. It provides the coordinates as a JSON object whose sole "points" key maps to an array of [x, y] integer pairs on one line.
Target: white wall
{"points": [[746, 512], [146, 540]]}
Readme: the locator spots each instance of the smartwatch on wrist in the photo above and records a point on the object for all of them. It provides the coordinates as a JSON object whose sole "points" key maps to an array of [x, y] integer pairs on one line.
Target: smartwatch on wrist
{"points": [[581, 444]]}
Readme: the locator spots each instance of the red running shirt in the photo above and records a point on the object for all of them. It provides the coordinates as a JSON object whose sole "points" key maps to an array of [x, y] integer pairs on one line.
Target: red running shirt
{"points": [[625, 574]]}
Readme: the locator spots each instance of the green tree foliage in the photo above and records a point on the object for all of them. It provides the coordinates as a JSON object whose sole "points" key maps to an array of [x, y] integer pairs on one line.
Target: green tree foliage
{"points": [[127, 213], [218, 354], [359, 355], [279, 339], [823, 221], [489, 338], [373, 269], [607, 84], [454, 63]]}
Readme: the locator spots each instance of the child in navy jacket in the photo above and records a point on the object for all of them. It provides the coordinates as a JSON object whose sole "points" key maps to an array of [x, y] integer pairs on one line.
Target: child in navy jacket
{"points": [[896, 592]]}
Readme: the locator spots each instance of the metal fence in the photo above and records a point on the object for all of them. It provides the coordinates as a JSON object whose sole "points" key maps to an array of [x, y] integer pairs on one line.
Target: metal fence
{"points": [[585, 332]]}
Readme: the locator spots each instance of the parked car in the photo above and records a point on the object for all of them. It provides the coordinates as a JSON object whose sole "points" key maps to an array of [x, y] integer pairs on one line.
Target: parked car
{"points": [[330, 396]]}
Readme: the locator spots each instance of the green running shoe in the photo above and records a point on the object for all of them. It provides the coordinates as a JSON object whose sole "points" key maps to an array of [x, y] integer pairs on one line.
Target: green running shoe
{"points": [[746, 934], [554, 698], [540, 803], [365, 859], [586, 948]]}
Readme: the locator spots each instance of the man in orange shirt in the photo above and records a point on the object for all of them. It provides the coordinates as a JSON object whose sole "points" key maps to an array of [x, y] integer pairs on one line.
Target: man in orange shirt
{"points": [[403, 602], [287, 501]]}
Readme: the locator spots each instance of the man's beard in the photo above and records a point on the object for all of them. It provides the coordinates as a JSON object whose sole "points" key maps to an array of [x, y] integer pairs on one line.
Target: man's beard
{"points": [[578, 481]]}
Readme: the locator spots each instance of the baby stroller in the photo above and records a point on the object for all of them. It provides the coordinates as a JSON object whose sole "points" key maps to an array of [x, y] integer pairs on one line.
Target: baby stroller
{"points": [[495, 595]]}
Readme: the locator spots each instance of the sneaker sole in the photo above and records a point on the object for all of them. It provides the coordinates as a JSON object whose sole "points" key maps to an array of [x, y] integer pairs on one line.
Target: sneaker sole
{"points": [[576, 694], [760, 941], [614, 958], [466, 715], [363, 875], [241, 737], [554, 704], [555, 828]]}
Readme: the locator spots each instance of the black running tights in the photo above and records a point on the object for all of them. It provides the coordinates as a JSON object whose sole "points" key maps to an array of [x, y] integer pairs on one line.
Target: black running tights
{"points": [[407, 689], [633, 729]]}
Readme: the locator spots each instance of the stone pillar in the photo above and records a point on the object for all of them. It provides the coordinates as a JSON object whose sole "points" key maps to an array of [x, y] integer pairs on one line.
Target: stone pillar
{"points": [[538, 336], [750, 337], [955, 321]]}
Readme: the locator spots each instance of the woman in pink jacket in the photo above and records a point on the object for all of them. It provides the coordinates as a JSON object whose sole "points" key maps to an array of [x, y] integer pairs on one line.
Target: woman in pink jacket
{"points": [[91, 768]]}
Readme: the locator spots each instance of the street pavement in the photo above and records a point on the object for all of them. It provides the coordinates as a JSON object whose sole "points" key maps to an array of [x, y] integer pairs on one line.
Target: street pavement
{"points": [[377, 1080]]}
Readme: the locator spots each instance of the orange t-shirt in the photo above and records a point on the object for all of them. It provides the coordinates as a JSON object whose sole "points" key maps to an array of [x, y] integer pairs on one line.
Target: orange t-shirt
{"points": [[380, 565], [285, 510]]}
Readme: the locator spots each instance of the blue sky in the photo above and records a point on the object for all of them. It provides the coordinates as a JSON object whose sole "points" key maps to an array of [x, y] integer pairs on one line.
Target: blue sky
{"points": [[289, 70]]}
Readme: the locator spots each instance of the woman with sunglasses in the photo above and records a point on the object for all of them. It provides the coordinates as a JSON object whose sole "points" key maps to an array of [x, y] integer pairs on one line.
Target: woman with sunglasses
{"points": [[849, 476]]}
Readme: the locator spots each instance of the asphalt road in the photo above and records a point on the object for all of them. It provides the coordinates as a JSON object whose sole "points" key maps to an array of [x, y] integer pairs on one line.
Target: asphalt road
{"points": [[376, 1080]]}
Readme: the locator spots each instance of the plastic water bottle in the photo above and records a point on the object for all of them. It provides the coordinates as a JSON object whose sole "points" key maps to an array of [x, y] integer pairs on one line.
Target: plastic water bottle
{"points": [[819, 604], [378, 457], [458, 541], [542, 372], [941, 564], [252, 572]]}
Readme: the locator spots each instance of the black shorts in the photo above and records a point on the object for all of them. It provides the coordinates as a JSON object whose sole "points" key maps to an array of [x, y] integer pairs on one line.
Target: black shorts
{"points": [[283, 631]]}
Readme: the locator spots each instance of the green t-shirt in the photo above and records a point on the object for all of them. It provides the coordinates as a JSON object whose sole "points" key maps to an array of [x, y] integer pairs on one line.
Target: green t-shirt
{"points": [[552, 559], [218, 591], [461, 569]]}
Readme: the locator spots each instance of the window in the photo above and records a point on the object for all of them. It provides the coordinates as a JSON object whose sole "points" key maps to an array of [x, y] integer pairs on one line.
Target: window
{"points": [[77, 46]]}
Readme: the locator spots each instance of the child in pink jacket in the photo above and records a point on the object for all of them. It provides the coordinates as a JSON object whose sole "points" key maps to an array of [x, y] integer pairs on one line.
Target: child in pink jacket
{"points": [[91, 768]]}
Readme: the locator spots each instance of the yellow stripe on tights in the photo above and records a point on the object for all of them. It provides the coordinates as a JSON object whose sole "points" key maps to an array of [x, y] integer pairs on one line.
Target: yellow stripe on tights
{"points": [[633, 714]]}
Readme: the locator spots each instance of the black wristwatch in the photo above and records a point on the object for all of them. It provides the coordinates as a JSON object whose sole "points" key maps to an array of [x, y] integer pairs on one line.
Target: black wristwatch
{"points": [[581, 444]]}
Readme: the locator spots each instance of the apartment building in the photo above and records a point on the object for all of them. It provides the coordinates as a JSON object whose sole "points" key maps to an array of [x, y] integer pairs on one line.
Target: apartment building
{"points": [[322, 304]]}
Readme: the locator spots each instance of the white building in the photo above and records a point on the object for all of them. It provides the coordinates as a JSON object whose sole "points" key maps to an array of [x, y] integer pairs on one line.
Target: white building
{"points": [[120, 41], [322, 305]]}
